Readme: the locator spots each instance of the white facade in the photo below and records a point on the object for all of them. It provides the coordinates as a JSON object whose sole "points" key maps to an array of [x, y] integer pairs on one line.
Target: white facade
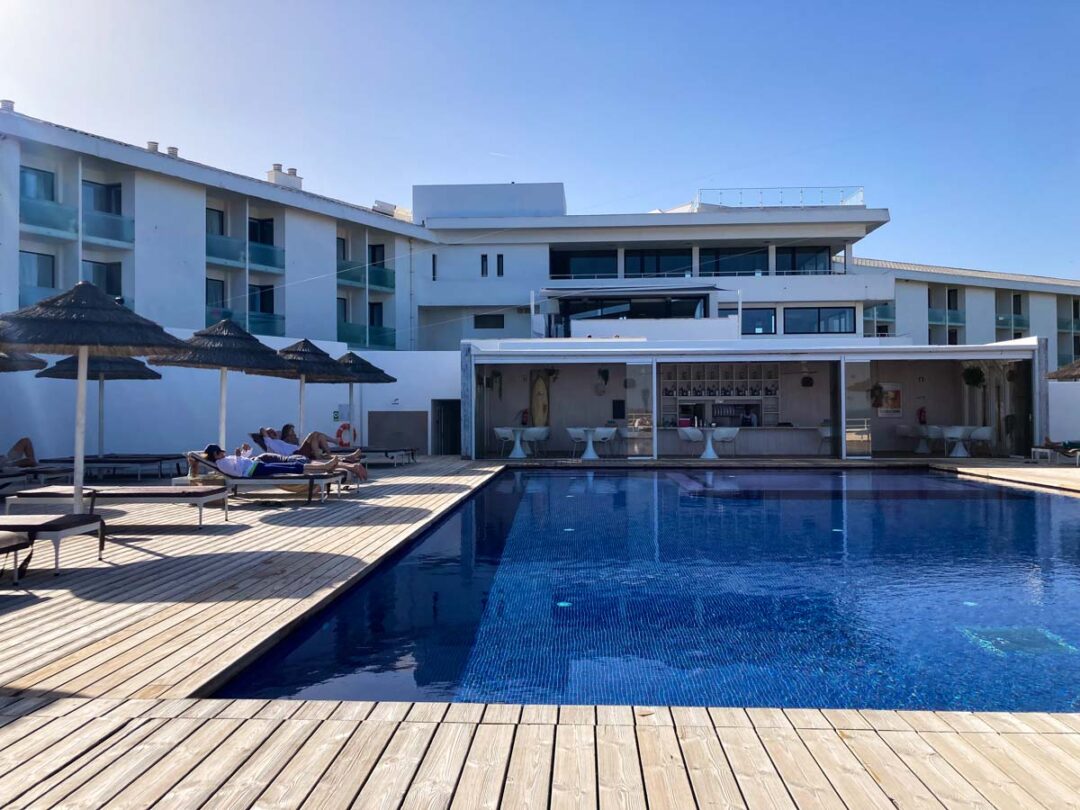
{"points": [[186, 244]]}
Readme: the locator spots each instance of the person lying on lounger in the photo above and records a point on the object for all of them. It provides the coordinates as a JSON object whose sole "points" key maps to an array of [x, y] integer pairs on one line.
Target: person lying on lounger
{"points": [[21, 454], [316, 446], [1068, 449], [241, 464]]}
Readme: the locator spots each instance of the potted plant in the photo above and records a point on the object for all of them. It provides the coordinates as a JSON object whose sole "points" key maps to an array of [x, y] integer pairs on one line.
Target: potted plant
{"points": [[974, 377]]}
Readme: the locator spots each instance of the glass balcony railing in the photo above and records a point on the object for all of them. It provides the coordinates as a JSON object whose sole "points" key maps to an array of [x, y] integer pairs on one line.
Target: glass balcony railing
{"points": [[1064, 358], [881, 312], [224, 248], [1068, 324], [266, 255], [366, 337], [1011, 321], [28, 296], [48, 215], [378, 275], [266, 323], [111, 227], [936, 316], [215, 314]]}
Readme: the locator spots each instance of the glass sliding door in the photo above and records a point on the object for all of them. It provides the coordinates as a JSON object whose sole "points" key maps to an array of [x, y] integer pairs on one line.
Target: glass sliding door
{"points": [[858, 410], [640, 410]]}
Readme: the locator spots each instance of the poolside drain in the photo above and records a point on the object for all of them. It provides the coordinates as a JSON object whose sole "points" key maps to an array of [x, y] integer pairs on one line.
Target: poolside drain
{"points": [[1017, 640]]}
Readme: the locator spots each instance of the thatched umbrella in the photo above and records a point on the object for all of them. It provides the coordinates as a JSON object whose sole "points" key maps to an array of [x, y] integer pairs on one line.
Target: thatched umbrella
{"points": [[20, 361], [101, 369], [226, 346], [310, 364], [1069, 373], [365, 373], [83, 321]]}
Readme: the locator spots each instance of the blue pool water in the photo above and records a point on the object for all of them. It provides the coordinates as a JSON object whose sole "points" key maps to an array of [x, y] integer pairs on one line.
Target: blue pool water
{"points": [[874, 589]]}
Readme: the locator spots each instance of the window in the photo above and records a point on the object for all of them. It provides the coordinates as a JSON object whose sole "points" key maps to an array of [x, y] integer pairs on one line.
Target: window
{"points": [[215, 222], [483, 265], [881, 329], [343, 310], [657, 263], [37, 184], [953, 338], [342, 249], [499, 265], [803, 260], [733, 261], [215, 293], [261, 231], [819, 320], [37, 269], [952, 299], [584, 264], [434, 267], [105, 275], [755, 320], [376, 255], [1076, 309], [261, 298], [101, 197], [1017, 304], [489, 321], [375, 313], [1017, 335]]}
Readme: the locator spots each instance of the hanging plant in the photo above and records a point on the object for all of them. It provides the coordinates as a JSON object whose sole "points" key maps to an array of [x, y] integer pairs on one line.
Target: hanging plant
{"points": [[877, 395], [974, 376]]}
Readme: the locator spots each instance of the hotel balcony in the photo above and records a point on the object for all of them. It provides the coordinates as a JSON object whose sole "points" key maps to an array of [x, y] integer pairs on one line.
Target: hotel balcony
{"points": [[885, 313], [226, 251], [379, 276], [945, 317], [267, 258], [108, 229], [215, 314], [48, 218], [360, 336], [28, 296], [1011, 321], [1068, 325], [270, 324]]}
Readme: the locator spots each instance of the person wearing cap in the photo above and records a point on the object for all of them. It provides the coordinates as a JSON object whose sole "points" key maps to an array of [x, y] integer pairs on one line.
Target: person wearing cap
{"points": [[241, 464]]}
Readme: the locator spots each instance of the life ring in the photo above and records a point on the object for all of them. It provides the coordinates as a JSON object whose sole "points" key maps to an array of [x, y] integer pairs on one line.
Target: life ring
{"points": [[346, 435]]}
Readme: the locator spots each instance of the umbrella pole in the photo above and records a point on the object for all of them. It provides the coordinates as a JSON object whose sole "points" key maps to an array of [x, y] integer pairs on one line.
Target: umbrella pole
{"points": [[352, 412], [101, 416], [80, 428], [221, 408], [300, 421]]}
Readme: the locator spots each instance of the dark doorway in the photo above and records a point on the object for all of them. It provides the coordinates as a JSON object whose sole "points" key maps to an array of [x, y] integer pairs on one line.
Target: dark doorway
{"points": [[446, 427]]}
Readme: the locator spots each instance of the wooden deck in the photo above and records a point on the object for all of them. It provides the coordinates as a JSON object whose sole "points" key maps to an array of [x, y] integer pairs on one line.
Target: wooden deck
{"points": [[100, 669]]}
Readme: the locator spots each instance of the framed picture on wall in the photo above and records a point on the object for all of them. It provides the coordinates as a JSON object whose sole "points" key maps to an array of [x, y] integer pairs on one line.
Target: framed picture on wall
{"points": [[892, 400]]}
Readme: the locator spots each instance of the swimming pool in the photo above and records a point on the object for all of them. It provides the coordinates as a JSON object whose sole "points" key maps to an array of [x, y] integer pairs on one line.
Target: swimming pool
{"points": [[858, 588]]}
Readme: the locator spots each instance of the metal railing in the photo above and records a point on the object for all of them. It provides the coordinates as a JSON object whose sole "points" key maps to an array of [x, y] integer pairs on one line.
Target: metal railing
{"points": [[266, 255], [266, 323], [113, 227], [788, 196], [48, 215], [224, 248]]}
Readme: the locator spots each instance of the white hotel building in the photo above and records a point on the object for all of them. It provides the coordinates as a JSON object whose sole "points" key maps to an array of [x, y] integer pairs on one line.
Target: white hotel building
{"points": [[775, 273]]}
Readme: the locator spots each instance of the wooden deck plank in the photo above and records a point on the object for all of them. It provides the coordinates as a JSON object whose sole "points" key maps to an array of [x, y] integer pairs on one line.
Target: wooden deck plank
{"points": [[666, 782], [898, 782], [528, 777], [352, 767], [1032, 773], [711, 777], [854, 784], [803, 777], [999, 788], [394, 771], [293, 783], [573, 777], [618, 768], [482, 777], [433, 786], [759, 781], [946, 783]]}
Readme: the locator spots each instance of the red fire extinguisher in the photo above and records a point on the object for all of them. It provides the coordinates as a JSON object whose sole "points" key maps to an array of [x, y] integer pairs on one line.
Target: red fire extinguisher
{"points": [[921, 416]]}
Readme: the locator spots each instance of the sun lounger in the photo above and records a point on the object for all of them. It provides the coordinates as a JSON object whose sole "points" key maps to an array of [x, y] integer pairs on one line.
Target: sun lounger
{"points": [[389, 455], [320, 482], [95, 496], [46, 527], [136, 462]]}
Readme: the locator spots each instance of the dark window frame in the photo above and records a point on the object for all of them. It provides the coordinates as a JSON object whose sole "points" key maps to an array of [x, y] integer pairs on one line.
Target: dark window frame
{"points": [[37, 257], [499, 265], [376, 256], [819, 321], [112, 271], [650, 263], [259, 296], [342, 309], [342, 248], [560, 261], [41, 174], [712, 259], [375, 313], [109, 194], [724, 311], [483, 265], [434, 267], [224, 293], [261, 230], [219, 215], [488, 320]]}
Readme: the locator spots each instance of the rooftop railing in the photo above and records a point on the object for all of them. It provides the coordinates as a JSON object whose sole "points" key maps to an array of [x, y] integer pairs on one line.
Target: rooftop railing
{"points": [[48, 215], [788, 196]]}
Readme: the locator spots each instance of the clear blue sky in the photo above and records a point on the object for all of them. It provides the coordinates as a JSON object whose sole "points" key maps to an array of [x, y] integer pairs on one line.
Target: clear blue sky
{"points": [[962, 118]]}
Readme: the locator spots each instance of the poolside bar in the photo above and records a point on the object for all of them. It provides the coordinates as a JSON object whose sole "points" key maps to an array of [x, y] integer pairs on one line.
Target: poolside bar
{"points": [[648, 399]]}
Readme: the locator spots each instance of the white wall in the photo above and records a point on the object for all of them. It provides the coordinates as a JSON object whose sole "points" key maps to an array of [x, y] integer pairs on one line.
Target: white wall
{"points": [[166, 271], [443, 328], [912, 317], [1064, 412], [1042, 310], [979, 306], [309, 288], [179, 412], [9, 224]]}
